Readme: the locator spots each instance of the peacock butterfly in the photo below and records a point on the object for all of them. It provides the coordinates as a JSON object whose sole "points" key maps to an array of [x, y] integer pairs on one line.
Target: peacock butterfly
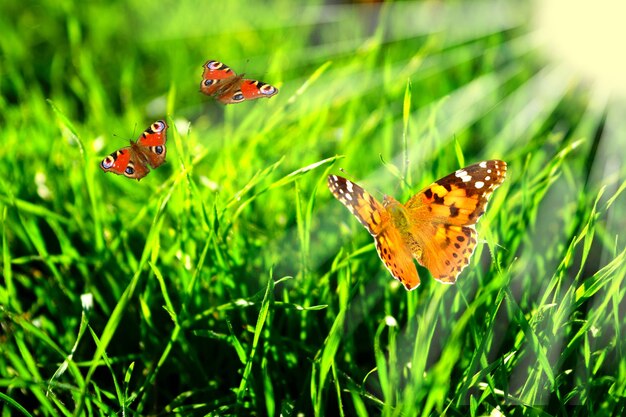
{"points": [[133, 161], [221, 82]]}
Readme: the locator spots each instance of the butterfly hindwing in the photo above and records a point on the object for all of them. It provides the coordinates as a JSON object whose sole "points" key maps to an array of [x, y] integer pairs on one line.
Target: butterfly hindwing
{"points": [[448, 251], [252, 89], [459, 198], [397, 257], [125, 162], [241, 89]]}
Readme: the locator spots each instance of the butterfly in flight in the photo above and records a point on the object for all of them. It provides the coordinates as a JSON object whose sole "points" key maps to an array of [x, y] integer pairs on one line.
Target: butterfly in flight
{"points": [[133, 161], [221, 82], [436, 225]]}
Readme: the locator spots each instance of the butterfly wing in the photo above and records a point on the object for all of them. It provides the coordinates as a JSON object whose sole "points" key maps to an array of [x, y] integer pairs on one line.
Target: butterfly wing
{"points": [[151, 144], [244, 89], [253, 89], [447, 250], [397, 257], [374, 217], [444, 213], [125, 162], [214, 77]]}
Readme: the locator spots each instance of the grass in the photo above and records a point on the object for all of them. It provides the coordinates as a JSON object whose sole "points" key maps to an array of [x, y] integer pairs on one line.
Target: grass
{"points": [[230, 282]]}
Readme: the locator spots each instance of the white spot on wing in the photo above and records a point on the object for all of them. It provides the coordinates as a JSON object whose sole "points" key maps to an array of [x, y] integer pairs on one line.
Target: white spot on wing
{"points": [[349, 186], [462, 174], [479, 184], [483, 164]]}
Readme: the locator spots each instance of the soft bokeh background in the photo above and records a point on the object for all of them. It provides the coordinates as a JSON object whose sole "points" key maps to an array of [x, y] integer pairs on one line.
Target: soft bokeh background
{"points": [[230, 282]]}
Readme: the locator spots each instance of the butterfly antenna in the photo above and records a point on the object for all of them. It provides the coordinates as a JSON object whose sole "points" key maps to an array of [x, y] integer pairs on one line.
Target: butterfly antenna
{"points": [[245, 68], [351, 178], [347, 175], [117, 136], [396, 173]]}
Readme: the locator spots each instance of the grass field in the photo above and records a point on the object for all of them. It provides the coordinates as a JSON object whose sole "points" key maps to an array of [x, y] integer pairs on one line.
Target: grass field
{"points": [[230, 281]]}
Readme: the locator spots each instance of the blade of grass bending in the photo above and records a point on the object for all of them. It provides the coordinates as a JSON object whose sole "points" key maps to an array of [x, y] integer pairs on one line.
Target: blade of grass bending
{"points": [[84, 323], [316, 74], [258, 176], [324, 358], [107, 362], [337, 391], [268, 388], [26, 366], [292, 176], [30, 208], [127, 399], [331, 345], [14, 404], [116, 316], [7, 292], [152, 373], [533, 340], [459, 153], [95, 207], [304, 219], [406, 113], [262, 318], [383, 369], [239, 349]]}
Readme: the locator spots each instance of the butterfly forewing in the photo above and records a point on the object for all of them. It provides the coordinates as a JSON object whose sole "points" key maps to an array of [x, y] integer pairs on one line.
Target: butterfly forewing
{"points": [[390, 246], [365, 208], [459, 198]]}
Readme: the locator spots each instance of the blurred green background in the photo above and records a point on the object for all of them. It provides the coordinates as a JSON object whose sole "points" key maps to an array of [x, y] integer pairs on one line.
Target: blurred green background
{"points": [[229, 281]]}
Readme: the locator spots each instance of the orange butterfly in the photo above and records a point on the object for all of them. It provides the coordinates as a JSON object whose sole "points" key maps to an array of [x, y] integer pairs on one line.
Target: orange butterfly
{"points": [[436, 225]]}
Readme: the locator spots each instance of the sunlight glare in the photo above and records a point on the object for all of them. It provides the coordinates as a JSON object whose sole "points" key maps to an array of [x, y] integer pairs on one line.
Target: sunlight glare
{"points": [[588, 37]]}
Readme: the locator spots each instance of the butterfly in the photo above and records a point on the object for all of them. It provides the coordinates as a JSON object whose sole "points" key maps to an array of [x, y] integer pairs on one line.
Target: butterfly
{"points": [[221, 82], [133, 160], [436, 225]]}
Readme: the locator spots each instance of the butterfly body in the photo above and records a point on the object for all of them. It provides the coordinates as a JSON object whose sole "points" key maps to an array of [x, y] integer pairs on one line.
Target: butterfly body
{"points": [[399, 215], [147, 151], [435, 227], [221, 82]]}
